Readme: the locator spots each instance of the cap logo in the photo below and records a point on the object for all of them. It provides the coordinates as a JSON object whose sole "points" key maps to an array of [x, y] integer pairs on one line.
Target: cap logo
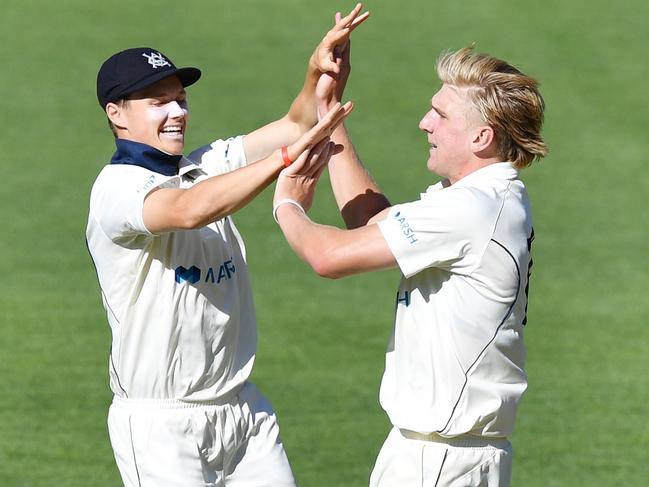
{"points": [[156, 60]]}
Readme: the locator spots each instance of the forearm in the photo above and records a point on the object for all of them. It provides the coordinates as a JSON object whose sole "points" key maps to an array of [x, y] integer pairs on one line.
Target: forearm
{"points": [[357, 195], [313, 243], [211, 199], [223, 195], [330, 251], [303, 111], [299, 232]]}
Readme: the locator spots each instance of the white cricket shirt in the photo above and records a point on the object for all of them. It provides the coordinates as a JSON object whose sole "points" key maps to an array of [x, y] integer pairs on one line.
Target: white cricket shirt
{"points": [[179, 304], [454, 364]]}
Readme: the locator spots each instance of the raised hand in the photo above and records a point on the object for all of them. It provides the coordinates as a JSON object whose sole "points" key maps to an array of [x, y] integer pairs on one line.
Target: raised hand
{"points": [[330, 86], [298, 181], [334, 42]]}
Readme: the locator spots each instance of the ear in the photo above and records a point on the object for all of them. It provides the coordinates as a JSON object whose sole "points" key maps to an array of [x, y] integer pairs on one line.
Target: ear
{"points": [[483, 137], [115, 114]]}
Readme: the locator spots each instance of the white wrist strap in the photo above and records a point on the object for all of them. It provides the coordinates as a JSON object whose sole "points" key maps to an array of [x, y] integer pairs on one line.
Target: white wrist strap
{"points": [[285, 202]]}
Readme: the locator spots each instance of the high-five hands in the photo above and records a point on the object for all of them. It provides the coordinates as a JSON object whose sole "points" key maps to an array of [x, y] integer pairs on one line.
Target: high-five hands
{"points": [[312, 151], [323, 129], [297, 182]]}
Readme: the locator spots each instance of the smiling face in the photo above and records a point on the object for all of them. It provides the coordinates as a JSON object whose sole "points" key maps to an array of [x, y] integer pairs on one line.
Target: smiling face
{"points": [[450, 127], [156, 116]]}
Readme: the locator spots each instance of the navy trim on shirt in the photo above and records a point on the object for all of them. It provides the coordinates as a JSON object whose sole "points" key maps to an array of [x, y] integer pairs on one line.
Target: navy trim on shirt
{"points": [[143, 155]]}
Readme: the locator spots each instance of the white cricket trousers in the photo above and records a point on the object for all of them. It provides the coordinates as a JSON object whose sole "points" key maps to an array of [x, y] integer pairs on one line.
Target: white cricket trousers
{"points": [[169, 443], [409, 459]]}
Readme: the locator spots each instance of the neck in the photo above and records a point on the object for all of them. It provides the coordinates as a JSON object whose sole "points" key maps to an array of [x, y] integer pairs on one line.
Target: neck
{"points": [[471, 167], [143, 155]]}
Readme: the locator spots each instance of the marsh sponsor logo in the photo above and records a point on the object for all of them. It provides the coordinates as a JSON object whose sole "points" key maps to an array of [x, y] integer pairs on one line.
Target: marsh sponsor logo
{"points": [[191, 275], [405, 228], [224, 272], [214, 275]]}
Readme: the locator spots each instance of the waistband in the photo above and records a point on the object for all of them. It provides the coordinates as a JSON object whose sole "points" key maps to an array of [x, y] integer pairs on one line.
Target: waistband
{"points": [[463, 441], [128, 403]]}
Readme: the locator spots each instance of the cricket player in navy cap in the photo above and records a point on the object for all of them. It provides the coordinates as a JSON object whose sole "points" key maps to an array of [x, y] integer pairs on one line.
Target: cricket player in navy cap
{"points": [[172, 271], [454, 366]]}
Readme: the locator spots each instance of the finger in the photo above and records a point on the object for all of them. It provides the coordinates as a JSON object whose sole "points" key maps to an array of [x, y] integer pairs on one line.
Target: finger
{"points": [[337, 37], [325, 126], [316, 133], [329, 65], [341, 115], [348, 19], [330, 152], [318, 148], [348, 107], [316, 165], [318, 156], [316, 176], [345, 54], [297, 165], [339, 62], [326, 119], [331, 120], [358, 21], [321, 162]]}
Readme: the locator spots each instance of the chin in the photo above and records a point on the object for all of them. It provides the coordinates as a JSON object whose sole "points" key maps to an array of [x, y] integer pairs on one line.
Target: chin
{"points": [[173, 149]]}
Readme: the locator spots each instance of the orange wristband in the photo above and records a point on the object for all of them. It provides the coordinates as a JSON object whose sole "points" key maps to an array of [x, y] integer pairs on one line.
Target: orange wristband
{"points": [[285, 158]]}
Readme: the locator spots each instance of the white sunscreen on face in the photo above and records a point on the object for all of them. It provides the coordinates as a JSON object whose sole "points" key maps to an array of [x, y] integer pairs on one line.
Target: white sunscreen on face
{"points": [[173, 109]]}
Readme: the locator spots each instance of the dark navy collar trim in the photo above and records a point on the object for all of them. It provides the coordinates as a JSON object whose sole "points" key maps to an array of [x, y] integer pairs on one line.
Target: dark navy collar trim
{"points": [[143, 155]]}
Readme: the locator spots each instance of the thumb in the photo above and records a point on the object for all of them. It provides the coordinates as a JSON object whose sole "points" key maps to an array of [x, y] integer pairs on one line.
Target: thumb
{"points": [[297, 165]]}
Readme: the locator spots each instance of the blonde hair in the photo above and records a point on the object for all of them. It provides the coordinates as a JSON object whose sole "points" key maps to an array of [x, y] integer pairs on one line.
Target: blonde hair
{"points": [[506, 99]]}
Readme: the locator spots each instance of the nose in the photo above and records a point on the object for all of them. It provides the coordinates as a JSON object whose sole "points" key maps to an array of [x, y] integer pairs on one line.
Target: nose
{"points": [[175, 110], [426, 123]]}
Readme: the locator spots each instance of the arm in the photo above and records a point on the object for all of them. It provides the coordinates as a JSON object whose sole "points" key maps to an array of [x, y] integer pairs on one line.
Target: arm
{"points": [[302, 114], [168, 209], [331, 252], [357, 195]]}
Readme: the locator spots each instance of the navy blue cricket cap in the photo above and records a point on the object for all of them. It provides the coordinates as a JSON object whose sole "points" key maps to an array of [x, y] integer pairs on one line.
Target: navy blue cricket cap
{"points": [[134, 69]]}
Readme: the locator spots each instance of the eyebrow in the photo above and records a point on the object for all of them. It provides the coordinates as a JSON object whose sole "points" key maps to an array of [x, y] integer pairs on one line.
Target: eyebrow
{"points": [[437, 109]]}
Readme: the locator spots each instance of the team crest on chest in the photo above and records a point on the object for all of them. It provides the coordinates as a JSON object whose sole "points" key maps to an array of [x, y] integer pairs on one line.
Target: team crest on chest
{"points": [[156, 60]]}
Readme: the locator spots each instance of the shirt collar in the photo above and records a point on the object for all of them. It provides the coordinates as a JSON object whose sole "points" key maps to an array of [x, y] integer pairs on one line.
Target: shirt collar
{"points": [[143, 155], [498, 170]]}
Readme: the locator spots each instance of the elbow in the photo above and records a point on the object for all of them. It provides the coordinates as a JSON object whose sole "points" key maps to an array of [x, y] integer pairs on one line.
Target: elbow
{"points": [[191, 222], [325, 266], [188, 219]]}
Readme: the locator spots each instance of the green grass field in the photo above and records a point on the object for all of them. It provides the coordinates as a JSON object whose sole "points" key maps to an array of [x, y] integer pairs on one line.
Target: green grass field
{"points": [[584, 418]]}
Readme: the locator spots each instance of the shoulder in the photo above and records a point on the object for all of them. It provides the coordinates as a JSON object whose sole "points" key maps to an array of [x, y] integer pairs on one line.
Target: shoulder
{"points": [[220, 156], [123, 178], [461, 204]]}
